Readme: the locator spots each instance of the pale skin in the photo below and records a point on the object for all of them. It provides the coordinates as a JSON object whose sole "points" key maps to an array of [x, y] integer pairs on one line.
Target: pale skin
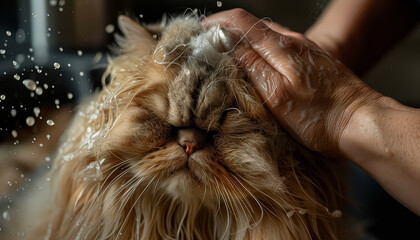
{"points": [[321, 102]]}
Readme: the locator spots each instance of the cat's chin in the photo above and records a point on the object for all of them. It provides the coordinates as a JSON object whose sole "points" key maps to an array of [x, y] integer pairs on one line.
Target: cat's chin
{"points": [[184, 183]]}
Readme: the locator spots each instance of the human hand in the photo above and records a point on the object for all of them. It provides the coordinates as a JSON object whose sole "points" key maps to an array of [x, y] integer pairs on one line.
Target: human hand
{"points": [[310, 93]]}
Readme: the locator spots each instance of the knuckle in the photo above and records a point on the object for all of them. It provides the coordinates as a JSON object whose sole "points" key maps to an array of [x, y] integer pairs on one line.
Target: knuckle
{"points": [[251, 60], [240, 13]]}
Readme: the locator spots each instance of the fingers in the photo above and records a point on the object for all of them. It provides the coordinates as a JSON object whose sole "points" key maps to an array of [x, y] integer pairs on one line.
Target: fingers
{"points": [[262, 39], [277, 27], [268, 81]]}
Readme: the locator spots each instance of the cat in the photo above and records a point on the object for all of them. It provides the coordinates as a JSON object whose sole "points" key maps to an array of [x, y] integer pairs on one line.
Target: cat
{"points": [[178, 145]]}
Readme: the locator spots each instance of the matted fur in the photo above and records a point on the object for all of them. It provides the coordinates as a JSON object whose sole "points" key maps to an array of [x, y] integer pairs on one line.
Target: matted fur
{"points": [[121, 173]]}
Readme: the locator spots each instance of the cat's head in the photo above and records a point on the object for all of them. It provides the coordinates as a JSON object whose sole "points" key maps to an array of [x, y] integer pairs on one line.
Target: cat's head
{"points": [[178, 124], [183, 116]]}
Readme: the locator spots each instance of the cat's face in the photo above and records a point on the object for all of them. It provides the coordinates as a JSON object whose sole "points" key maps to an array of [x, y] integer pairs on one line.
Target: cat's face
{"points": [[188, 125], [179, 144]]}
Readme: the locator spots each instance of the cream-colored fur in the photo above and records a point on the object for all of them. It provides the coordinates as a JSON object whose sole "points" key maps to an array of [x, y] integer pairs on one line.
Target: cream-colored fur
{"points": [[122, 175]]}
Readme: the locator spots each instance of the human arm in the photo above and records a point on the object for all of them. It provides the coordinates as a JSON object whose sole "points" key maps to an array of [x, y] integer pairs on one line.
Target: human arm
{"points": [[359, 32], [326, 107]]}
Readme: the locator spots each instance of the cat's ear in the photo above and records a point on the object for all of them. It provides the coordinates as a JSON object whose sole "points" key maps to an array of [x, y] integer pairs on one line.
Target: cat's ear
{"points": [[136, 38]]}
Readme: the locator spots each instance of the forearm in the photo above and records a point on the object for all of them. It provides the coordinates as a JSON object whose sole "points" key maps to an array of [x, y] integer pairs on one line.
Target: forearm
{"points": [[384, 140], [358, 32]]}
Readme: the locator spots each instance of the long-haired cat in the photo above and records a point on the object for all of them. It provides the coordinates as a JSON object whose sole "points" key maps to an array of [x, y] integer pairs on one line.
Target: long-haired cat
{"points": [[178, 145]]}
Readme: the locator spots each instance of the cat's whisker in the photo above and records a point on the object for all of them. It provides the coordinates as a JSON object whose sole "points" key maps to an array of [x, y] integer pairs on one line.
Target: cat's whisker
{"points": [[278, 204], [243, 200], [239, 202], [118, 191], [135, 202], [254, 198], [136, 178], [227, 209]]}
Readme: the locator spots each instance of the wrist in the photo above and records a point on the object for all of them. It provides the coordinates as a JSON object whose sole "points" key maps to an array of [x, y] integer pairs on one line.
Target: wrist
{"points": [[363, 136], [326, 42]]}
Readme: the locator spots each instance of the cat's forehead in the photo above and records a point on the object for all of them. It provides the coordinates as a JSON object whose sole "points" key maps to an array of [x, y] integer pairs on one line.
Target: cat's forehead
{"points": [[185, 44]]}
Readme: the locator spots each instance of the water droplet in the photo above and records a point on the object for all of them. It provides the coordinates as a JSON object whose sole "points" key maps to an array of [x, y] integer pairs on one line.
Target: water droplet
{"points": [[14, 133], [61, 2], [30, 121], [33, 14], [48, 136], [50, 122], [56, 65], [17, 77], [37, 111], [81, 74], [337, 213], [14, 63], [219, 3], [56, 101], [302, 211], [98, 57], [41, 145], [31, 50], [20, 36], [47, 158], [2, 51], [53, 3], [69, 95], [13, 112], [38, 91], [141, 15], [109, 28], [79, 52], [60, 49], [8, 33], [6, 216], [45, 86], [29, 84], [2, 97]]}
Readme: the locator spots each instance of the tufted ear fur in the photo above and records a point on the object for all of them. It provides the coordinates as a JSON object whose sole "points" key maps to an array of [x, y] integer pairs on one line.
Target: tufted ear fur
{"points": [[136, 40]]}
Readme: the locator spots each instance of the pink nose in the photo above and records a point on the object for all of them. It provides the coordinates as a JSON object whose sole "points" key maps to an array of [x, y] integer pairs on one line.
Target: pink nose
{"points": [[189, 147], [191, 139]]}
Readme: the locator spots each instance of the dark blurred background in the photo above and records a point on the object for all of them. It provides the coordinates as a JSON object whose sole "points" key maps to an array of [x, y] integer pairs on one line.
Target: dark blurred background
{"points": [[62, 46]]}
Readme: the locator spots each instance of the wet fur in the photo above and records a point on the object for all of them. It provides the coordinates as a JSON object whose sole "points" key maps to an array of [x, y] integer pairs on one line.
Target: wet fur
{"points": [[121, 174]]}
